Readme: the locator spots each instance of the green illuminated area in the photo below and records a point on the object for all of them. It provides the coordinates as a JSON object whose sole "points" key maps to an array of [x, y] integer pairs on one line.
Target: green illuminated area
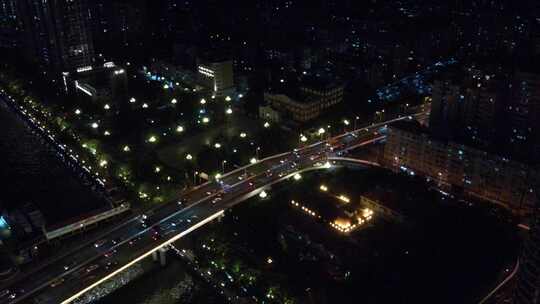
{"points": [[157, 140]]}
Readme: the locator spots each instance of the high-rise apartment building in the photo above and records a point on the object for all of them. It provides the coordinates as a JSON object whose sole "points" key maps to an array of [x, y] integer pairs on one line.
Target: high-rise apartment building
{"points": [[58, 34], [10, 24]]}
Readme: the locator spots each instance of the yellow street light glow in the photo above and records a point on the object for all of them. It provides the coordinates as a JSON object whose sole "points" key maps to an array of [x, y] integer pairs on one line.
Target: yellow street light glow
{"points": [[303, 138], [189, 157], [132, 100], [253, 160], [148, 253], [344, 198], [106, 133], [126, 148], [228, 98], [78, 112], [174, 101], [243, 135], [206, 120], [106, 106], [179, 129], [217, 145], [269, 260], [240, 95], [95, 125], [323, 188], [157, 169], [327, 165], [263, 194], [145, 105], [203, 101], [297, 176], [229, 111], [321, 131], [152, 139], [266, 124], [213, 96], [103, 163], [346, 122], [166, 86], [218, 176]]}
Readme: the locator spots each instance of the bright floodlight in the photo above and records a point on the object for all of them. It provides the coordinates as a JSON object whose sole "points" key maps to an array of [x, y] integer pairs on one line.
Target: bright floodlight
{"points": [[253, 160], [243, 134], [303, 138], [78, 112], [203, 101], [152, 139], [206, 120], [95, 125], [263, 194], [132, 100], [179, 129], [126, 148], [297, 176], [145, 105], [106, 106], [217, 145], [229, 111], [189, 157], [266, 125], [346, 122], [174, 101], [321, 131]]}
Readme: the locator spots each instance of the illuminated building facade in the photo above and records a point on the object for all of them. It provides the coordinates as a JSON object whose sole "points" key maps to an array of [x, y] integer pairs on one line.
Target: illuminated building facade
{"points": [[217, 76], [460, 168]]}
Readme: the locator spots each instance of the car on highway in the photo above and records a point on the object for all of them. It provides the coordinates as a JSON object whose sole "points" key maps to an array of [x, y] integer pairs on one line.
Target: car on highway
{"points": [[57, 282], [92, 268], [109, 254], [100, 243], [216, 199], [69, 266]]}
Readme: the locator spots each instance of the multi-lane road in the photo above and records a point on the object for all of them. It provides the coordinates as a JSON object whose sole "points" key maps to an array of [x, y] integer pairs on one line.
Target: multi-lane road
{"points": [[77, 272]]}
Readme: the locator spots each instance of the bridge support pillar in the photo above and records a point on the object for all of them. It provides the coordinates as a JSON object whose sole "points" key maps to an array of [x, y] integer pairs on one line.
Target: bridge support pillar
{"points": [[155, 256], [162, 256]]}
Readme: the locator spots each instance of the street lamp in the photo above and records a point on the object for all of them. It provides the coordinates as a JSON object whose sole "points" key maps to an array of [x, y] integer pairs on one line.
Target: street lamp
{"points": [[229, 111], [189, 157], [253, 160], [217, 145], [243, 135], [95, 125], [174, 101], [266, 125], [303, 138], [203, 101], [152, 139], [297, 176], [206, 120], [228, 98], [223, 165], [179, 129], [77, 112], [263, 194]]}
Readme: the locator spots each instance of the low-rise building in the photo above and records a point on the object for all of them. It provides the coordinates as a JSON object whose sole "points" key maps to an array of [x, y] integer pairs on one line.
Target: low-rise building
{"points": [[305, 103]]}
